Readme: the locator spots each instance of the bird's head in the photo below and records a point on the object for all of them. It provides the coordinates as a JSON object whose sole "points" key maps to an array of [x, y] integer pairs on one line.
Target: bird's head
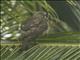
{"points": [[41, 14]]}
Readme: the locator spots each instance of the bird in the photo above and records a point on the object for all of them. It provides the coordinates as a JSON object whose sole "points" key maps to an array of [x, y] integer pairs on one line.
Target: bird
{"points": [[34, 27]]}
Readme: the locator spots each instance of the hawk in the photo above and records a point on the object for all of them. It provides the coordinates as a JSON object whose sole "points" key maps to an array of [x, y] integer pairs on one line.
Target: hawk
{"points": [[33, 28]]}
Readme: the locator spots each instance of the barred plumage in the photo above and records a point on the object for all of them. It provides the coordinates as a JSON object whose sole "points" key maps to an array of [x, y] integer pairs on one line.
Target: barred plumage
{"points": [[33, 28]]}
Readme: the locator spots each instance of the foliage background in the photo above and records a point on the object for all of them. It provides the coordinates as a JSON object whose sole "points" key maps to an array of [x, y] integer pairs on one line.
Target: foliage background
{"points": [[62, 42]]}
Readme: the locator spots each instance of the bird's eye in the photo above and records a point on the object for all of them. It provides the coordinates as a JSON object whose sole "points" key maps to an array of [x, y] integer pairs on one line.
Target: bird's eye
{"points": [[45, 14]]}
